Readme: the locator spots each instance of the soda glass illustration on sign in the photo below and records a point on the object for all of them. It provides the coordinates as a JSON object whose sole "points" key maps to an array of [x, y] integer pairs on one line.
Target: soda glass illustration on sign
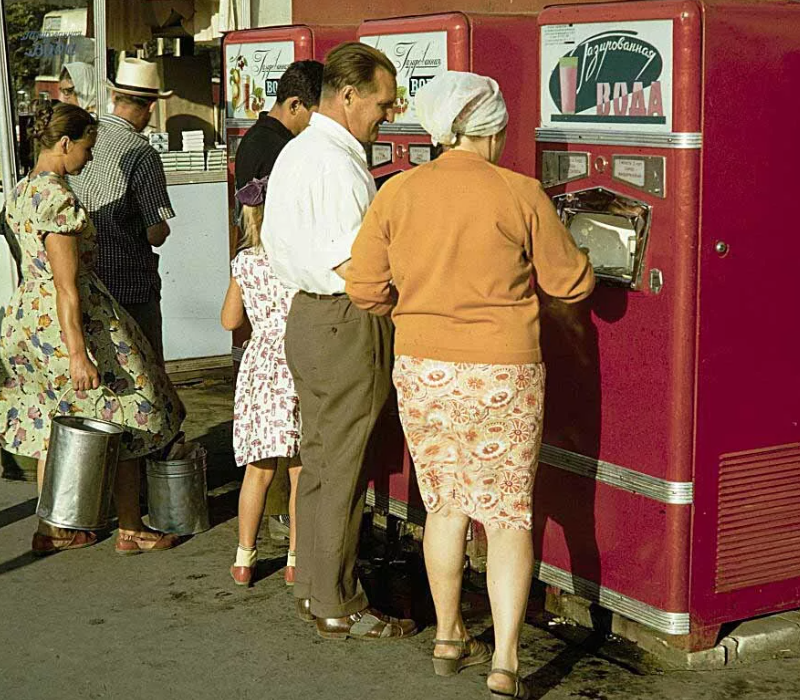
{"points": [[568, 79]]}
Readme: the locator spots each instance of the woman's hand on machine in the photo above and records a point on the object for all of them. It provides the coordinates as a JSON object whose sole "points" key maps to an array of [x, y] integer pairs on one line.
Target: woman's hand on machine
{"points": [[83, 373]]}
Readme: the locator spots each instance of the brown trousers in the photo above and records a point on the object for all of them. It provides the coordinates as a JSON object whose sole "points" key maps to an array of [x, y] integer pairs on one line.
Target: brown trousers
{"points": [[148, 316], [340, 358]]}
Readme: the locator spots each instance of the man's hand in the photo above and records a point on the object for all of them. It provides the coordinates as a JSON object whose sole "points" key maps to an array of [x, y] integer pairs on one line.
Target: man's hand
{"points": [[157, 233]]}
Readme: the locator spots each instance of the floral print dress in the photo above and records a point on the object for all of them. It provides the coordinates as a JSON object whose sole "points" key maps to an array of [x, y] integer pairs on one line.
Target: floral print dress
{"points": [[34, 360], [474, 433], [266, 416]]}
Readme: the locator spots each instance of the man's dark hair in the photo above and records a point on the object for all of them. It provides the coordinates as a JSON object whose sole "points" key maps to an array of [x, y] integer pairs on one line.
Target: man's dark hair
{"points": [[302, 79]]}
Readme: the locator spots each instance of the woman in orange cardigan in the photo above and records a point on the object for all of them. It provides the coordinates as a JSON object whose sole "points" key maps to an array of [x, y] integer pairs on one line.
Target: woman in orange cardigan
{"points": [[449, 248]]}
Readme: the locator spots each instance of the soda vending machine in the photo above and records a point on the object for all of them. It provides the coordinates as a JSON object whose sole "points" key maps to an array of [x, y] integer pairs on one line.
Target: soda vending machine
{"points": [[422, 47], [254, 61], [669, 482]]}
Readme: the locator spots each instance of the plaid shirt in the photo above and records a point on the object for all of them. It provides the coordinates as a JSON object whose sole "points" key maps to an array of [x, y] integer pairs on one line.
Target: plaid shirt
{"points": [[124, 191]]}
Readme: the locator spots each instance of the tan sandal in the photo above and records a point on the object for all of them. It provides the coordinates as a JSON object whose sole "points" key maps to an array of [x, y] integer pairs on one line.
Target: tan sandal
{"points": [[473, 652], [60, 540], [520, 689], [133, 543]]}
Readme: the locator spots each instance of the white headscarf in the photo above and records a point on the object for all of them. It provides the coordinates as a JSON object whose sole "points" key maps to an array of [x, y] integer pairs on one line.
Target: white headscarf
{"points": [[456, 103], [83, 77]]}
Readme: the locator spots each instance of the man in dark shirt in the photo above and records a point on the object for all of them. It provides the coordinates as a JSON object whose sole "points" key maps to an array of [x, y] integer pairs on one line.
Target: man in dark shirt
{"points": [[297, 97]]}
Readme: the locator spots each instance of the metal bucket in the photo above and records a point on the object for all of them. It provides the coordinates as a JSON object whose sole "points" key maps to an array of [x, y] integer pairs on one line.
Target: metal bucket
{"points": [[79, 472], [177, 496]]}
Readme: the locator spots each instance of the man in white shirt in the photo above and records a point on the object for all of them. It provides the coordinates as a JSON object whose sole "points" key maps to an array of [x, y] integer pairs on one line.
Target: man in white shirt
{"points": [[339, 355]]}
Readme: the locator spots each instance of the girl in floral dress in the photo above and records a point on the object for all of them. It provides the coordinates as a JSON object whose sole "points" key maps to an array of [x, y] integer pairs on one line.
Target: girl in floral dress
{"points": [[266, 418], [64, 336]]}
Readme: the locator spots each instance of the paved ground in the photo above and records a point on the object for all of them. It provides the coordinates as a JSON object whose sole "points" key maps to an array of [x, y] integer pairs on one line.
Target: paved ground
{"points": [[88, 624]]}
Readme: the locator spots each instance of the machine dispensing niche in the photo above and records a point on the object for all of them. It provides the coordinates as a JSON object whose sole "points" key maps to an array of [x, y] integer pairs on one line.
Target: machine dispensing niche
{"points": [[611, 228]]}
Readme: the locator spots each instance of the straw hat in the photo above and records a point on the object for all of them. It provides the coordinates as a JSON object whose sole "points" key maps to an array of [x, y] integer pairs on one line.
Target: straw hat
{"points": [[140, 78]]}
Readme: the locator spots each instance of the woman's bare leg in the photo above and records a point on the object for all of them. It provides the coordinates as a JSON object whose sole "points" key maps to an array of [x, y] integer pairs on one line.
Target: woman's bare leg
{"points": [[253, 498], [444, 545], [126, 495], [509, 568]]}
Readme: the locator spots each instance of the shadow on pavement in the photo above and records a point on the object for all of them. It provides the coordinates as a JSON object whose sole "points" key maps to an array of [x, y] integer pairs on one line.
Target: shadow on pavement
{"points": [[17, 562], [18, 512]]}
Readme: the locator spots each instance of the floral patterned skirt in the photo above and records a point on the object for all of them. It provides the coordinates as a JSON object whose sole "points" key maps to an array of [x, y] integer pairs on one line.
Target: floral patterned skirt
{"points": [[474, 432]]}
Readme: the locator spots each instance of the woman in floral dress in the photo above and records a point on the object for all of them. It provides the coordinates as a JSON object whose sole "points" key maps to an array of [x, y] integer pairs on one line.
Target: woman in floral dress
{"points": [[64, 336]]}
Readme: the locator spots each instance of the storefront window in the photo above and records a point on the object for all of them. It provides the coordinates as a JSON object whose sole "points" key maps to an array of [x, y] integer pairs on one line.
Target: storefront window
{"points": [[184, 39], [46, 41]]}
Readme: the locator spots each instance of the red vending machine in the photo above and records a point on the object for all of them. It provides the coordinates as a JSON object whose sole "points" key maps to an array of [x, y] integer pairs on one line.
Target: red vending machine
{"points": [[254, 61], [669, 482], [421, 48]]}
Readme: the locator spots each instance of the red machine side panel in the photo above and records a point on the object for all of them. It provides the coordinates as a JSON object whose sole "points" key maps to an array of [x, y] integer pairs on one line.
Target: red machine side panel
{"points": [[326, 37], [508, 51], [613, 498], [745, 558]]}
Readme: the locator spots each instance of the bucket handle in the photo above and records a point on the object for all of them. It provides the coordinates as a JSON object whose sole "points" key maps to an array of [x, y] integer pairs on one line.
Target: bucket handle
{"points": [[102, 388]]}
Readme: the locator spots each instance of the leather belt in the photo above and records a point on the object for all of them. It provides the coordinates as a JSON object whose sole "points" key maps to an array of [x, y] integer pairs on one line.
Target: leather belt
{"points": [[324, 297]]}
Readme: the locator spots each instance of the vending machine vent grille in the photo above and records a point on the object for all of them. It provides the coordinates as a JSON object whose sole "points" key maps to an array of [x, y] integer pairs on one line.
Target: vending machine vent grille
{"points": [[758, 521]]}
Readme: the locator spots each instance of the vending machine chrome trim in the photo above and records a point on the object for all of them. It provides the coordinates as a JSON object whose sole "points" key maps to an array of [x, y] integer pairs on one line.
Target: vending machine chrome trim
{"points": [[600, 201], [614, 138], [402, 129], [676, 623], [671, 492], [395, 507]]}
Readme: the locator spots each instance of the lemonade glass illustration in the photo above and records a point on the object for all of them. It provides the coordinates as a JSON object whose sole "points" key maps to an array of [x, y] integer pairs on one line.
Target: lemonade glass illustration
{"points": [[568, 80]]}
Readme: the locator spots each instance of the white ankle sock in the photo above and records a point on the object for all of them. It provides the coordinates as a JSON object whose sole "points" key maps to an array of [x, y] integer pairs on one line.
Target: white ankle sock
{"points": [[246, 556], [291, 558]]}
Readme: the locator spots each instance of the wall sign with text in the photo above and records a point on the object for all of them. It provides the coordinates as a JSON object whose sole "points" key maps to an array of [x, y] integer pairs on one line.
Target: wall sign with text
{"points": [[418, 57], [613, 76], [252, 72]]}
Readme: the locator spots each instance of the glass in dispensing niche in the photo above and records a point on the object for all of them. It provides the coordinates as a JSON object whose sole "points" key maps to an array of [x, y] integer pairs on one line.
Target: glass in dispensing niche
{"points": [[611, 228]]}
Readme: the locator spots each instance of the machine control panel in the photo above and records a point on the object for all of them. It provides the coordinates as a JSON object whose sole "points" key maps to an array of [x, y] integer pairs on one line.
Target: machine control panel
{"points": [[645, 173], [560, 167], [380, 153], [419, 153], [611, 228]]}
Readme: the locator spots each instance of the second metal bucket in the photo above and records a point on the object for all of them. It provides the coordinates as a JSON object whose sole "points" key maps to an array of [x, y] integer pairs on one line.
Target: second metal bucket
{"points": [[79, 472], [177, 496]]}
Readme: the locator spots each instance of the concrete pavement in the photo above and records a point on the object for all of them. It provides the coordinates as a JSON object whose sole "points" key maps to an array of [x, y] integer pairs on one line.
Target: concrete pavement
{"points": [[171, 626]]}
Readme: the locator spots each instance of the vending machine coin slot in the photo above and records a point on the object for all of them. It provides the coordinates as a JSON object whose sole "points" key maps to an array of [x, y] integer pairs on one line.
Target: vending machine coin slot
{"points": [[560, 167], [611, 228]]}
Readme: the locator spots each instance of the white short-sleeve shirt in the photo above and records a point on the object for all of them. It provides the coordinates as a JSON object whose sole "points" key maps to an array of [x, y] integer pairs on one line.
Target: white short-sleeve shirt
{"points": [[318, 193]]}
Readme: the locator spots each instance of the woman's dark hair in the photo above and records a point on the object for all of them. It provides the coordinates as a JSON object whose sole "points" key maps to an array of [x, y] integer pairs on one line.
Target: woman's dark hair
{"points": [[302, 79], [52, 122]]}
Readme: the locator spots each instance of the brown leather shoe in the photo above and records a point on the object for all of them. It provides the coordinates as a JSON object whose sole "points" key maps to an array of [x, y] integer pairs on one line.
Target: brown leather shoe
{"points": [[303, 606], [368, 623], [243, 575]]}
